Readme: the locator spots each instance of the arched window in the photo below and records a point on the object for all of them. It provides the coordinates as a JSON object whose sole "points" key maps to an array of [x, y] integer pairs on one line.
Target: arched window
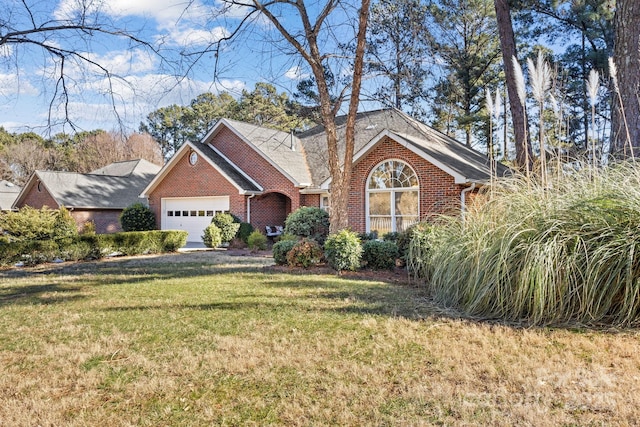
{"points": [[392, 197]]}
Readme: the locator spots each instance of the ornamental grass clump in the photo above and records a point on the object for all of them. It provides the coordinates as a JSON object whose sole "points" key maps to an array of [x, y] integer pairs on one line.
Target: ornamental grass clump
{"points": [[564, 253]]}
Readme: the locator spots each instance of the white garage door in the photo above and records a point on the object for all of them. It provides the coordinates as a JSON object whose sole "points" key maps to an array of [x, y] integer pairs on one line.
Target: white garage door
{"points": [[192, 214]]}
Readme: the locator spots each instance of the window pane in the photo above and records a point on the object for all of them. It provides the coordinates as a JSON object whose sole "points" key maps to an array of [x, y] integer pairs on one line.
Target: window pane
{"points": [[185, 213], [177, 213], [380, 203], [200, 213], [381, 224], [169, 213], [406, 203], [209, 213], [404, 222]]}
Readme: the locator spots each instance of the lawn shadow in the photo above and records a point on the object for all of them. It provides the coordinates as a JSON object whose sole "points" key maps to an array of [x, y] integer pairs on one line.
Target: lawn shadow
{"points": [[50, 293]]}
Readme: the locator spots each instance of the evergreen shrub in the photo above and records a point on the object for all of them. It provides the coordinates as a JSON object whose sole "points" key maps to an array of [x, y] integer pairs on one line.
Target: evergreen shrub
{"points": [[304, 253], [308, 222], [281, 249], [137, 217], [343, 250]]}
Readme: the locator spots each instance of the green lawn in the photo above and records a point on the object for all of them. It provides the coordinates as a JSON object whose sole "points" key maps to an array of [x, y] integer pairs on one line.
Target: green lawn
{"points": [[202, 340]]}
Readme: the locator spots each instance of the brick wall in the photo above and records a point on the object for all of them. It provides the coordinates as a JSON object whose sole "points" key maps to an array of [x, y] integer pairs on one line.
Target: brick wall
{"points": [[106, 221], [38, 199], [263, 172], [269, 209], [199, 180], [438, 192]]}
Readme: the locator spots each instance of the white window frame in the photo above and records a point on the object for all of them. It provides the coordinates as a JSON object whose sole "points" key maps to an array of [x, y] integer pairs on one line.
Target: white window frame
{"points": [[392, 192]]}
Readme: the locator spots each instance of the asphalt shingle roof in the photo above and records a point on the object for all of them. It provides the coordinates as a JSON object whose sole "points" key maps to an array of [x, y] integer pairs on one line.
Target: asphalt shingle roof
{"points": [[230, 170], [8, 194], [281, 148], [468, 163], [98, 191]]}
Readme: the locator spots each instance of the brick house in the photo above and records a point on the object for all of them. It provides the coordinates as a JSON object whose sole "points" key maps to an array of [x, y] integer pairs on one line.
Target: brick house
{"points": [[403, 172], [98, 196]]}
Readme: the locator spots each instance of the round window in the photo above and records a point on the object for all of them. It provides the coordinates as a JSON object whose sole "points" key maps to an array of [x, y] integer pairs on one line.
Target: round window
{"points": [[193, 158]]}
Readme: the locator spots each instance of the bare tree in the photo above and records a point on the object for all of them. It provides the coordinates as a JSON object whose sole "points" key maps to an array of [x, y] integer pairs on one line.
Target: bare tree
{"points": [[319, 42], [26, 27]]}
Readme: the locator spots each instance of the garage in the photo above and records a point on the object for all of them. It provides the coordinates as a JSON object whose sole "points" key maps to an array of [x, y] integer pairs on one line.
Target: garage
{"points": [[191, 214]]}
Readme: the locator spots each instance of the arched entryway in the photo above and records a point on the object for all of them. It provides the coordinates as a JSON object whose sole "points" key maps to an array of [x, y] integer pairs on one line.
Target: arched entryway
{"points": [[269, 209]]}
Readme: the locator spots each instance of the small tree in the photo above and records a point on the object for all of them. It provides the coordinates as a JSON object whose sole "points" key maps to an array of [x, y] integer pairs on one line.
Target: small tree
{"points": [[137, 217]]}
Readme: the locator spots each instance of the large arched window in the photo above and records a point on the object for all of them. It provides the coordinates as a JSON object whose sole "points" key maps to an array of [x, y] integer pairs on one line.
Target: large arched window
{"points": [[392, 197]]}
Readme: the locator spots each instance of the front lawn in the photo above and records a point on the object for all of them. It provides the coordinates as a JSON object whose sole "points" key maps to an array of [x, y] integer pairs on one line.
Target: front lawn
{"points": [[203, 339]]}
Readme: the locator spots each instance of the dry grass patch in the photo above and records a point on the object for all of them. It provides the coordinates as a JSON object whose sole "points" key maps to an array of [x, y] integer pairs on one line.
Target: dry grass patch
{"points": [[200, 340]]}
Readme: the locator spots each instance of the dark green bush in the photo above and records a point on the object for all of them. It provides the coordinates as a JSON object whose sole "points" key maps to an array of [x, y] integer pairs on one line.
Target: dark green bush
{"points": [[343, 250], [212, 236], [137, 217], [379, 255], [404, 238], [308, 222], [244, 231], [367, 236], [281, 249], [228, 227], [257, 241], [304, 253]]}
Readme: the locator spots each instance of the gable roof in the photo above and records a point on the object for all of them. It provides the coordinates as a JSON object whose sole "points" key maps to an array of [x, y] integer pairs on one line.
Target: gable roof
{"points": [[127, 167], [92, 191], [223, 165], [455, 158], [8, 194], [283, 150]]}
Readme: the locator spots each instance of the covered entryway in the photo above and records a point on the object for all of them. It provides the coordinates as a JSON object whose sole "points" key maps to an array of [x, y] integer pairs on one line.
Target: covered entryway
{"points": [[191, 214]]}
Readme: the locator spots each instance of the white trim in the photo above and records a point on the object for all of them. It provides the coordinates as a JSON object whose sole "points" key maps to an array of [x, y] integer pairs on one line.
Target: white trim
{"points": [[458, 179], [392, 191], [224, 122], [176, 158]]}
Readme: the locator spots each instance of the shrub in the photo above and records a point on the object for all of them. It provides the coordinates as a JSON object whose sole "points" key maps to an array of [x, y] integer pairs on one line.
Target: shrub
{"points": [[308, 222], [286, 236], [89, 228], [244, 231], [64, 227], [343, 250], [379, 255], [212, 236], [367, 236], [404, 238], [281, 249], [304, 253], [257, 241], [228, 227], [28, 223], [137, 217]]}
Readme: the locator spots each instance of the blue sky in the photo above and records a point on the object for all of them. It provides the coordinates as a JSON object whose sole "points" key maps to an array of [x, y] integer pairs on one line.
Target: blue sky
{"points": [[144, 81]]}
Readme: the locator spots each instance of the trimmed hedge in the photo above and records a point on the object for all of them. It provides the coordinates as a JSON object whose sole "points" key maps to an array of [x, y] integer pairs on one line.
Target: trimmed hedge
{"points": [[90, 247], [137, 217], [308, 222], [380, 255]]}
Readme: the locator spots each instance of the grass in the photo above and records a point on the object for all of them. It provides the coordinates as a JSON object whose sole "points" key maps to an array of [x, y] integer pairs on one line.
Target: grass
{"points": [[196, 340]]}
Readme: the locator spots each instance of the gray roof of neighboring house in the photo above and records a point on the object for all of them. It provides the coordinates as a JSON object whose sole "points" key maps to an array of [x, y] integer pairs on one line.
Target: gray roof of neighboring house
{"points": [[229, 169], [8, 194], [127, 167], [467, 162], [281, 148], [96, 191]]}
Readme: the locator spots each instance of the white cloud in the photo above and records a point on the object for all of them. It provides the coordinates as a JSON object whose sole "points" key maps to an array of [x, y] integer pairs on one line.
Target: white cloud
{"points": [[12, 84], [295, 73], [191, 37]]}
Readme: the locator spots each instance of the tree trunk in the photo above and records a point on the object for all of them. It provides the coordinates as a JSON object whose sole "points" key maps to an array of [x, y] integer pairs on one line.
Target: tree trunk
{"points": [[626, 107], [518, 111]]}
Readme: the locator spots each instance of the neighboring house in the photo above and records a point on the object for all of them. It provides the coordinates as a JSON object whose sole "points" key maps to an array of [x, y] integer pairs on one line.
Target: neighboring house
{"points": [[98, 196], [8, 194], [403, 171]]}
